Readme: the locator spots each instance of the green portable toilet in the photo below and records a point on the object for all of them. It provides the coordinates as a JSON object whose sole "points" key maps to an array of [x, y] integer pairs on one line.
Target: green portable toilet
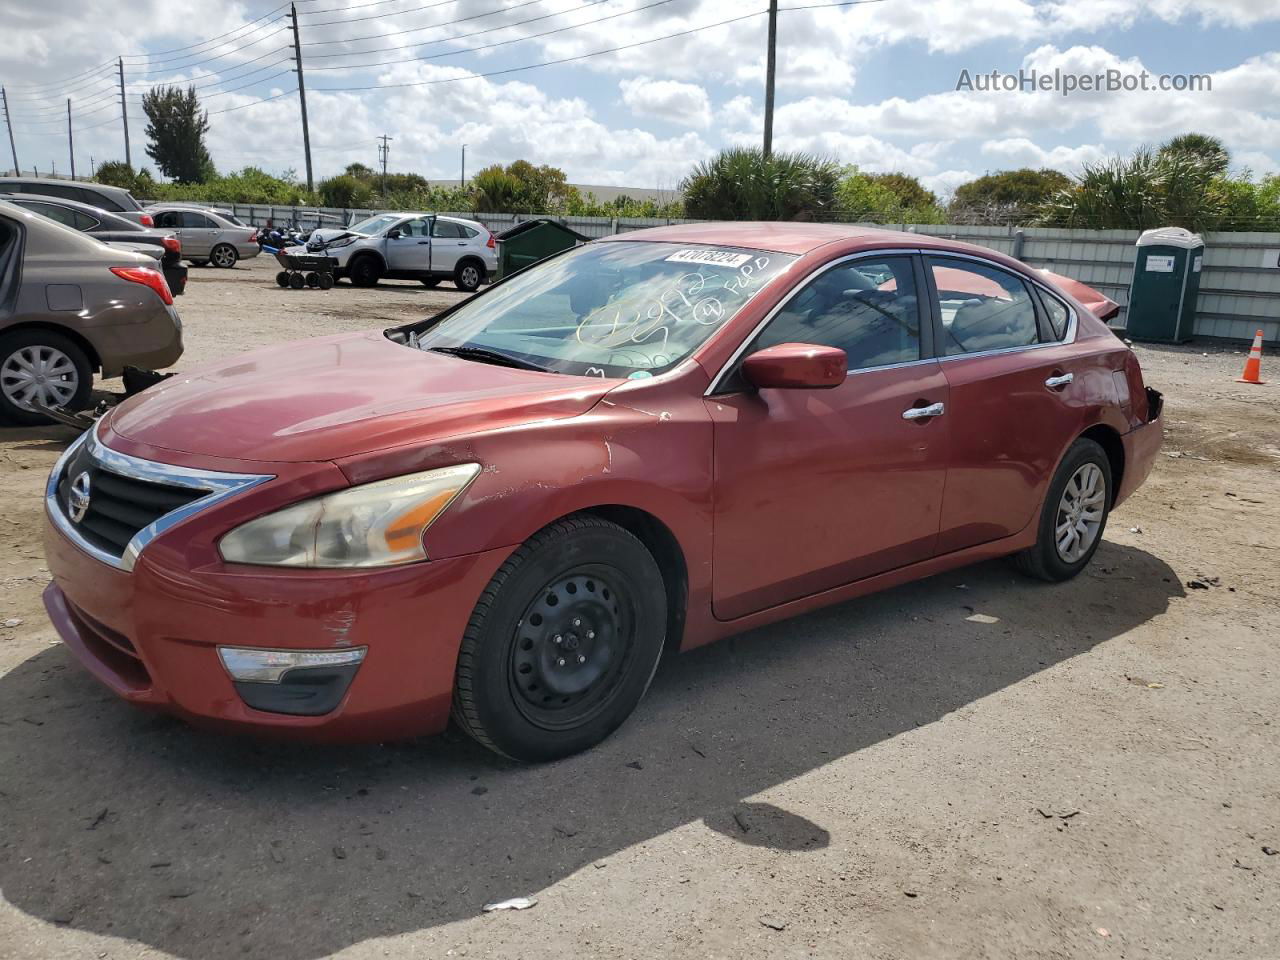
{"points": [[1166, 283], [533, 240]]}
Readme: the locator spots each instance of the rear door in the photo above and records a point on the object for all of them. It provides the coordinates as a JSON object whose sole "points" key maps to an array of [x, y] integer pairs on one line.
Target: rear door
{"points": [[818, 488], [199, 233], [450, 243], [410, 252], [1013, 399]]}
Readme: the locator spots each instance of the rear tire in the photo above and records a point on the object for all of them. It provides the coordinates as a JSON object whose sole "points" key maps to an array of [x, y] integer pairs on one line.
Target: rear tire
{"points": [[468, 276], [224, 255], [431, 284], [296, 282], [199, 263], [1074, 515], [365, 271], [325, 280], [28, 354], [282, 278], [563, 642]]}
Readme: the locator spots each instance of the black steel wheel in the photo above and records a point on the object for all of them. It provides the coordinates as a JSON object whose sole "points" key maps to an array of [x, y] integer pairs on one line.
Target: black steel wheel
{"points": [[325, 280], [313, 280], [563, 642], [296, 282], [282, 278]]}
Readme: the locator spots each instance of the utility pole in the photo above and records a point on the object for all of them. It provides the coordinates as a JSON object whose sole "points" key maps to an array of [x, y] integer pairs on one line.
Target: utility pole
{"points": [[383, 150], [302, 93], [124, 117], [71, 145], [4, 95], [770, 69], [462, 182]]}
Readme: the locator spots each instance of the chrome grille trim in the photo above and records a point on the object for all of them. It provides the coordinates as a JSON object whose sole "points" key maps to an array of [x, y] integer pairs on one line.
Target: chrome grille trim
{"points": [[219, 487]]}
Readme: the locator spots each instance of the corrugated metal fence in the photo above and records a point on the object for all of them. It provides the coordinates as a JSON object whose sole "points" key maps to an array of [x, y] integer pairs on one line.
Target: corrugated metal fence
{"points": [[1239, 288]]}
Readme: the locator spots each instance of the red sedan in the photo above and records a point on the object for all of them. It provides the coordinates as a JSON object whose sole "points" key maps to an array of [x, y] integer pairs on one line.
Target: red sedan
{"points": [[506, 513]]}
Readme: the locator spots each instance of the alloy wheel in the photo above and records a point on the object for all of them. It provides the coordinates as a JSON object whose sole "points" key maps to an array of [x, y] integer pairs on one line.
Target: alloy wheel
{"points": [[470, 278], [1080, 513], [223, 256], [38, 373]]}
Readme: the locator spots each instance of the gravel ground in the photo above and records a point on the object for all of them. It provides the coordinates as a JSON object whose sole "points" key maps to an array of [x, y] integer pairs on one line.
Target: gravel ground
{"points": [[1094, 775]]}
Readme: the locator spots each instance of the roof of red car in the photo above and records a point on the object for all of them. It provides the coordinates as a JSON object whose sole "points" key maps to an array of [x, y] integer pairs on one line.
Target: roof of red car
{"points": [[780, 237]]}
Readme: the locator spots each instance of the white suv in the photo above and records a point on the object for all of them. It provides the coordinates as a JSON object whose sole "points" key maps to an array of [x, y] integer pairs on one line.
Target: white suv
{"points": [[410, 246]]}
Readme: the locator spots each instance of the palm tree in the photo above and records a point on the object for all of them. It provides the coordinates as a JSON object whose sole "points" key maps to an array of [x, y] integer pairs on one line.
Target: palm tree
{"points": [[744, 184]]}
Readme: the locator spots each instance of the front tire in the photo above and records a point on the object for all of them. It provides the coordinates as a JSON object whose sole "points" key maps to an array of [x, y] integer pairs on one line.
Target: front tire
{"points": [[1074, 515], [563, 642], [365, 271], [224, 255], [39, 364]]}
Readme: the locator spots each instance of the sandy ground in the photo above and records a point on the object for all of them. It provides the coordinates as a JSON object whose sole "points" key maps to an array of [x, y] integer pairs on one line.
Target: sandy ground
{"points": [[1095, 775]]}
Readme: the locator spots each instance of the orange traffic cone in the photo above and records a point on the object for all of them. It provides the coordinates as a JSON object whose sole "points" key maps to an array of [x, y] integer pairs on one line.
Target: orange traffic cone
{"points": [[1253, 365]]}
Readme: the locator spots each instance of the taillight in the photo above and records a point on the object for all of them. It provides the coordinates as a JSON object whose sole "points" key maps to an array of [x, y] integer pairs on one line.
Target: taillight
{"points": [[171, 244], [146, 220], [490, 243], [253, 237], [148, 278]]}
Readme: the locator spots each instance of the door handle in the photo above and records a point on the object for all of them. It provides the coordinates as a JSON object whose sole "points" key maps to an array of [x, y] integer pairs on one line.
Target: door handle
{"points": [[923, 413], [462, 243], [1053, 383], [424, 243]]}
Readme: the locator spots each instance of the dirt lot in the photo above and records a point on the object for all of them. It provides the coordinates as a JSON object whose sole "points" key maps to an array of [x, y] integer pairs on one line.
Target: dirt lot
{"points": [[1095, 775]]}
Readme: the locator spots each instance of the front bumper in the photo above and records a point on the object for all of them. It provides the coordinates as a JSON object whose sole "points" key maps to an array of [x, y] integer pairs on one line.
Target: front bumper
{"points": [[151, 634]]}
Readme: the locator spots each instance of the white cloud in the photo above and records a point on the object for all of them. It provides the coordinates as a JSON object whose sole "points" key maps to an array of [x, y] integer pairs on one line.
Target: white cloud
{"points": [[684, 104], [1022, 152]]}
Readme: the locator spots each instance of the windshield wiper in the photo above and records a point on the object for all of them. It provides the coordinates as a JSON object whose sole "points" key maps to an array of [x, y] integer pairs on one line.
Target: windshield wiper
{"points": [[482, 355]]}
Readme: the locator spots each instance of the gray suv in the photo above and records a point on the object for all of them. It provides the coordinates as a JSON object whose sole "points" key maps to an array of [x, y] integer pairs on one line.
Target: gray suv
{"points": [[112, 199], [70, 305]]}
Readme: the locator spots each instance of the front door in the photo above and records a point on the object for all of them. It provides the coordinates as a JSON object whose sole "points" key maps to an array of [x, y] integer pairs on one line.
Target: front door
{"points": [[410, 251], [819, 488], [1012, 394]]}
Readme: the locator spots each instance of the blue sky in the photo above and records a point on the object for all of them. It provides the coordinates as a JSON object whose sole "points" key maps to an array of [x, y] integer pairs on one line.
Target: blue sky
{"points": [[871, 84]]}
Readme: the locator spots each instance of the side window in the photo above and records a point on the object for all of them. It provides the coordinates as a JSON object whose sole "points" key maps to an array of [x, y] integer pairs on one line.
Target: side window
{"points": [[197, 221], [1057, 313], [468, 232], [61, 214], [445, 228], [60, 191], [983, 308], [867, 308], [417, 227], [169, 220]]}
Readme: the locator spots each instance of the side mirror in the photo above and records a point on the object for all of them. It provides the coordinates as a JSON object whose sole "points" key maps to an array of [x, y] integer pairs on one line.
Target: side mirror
{"points": [[394, 234], [793, 366]]}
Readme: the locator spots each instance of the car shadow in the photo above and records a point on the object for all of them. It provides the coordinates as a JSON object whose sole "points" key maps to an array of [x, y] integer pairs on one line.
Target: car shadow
{"points": [[133, 825]]}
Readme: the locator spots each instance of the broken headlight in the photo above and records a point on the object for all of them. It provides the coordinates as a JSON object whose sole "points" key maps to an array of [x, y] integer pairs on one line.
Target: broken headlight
{"points": [[372, 525]]}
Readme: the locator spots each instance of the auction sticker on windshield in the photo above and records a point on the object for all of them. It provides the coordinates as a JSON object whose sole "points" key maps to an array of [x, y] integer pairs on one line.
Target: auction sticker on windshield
{"points": [[715, 258]]}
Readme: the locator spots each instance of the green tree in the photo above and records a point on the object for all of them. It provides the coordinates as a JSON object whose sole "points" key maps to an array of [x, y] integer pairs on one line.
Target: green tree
{"points": [[743, 184], [359, 170], [345, 190], [493, 190], [176, 127], [1200, 145], [909, 191], [1005, 197], [117, 173], [871, 198]]}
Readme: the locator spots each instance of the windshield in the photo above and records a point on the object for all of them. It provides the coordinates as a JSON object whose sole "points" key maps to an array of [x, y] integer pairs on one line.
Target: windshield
{"points": [[374, 225], [618, 309]]}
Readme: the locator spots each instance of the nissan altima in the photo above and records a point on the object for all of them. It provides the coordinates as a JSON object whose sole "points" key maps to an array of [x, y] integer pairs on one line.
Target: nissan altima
{"points": [[507, 513]]}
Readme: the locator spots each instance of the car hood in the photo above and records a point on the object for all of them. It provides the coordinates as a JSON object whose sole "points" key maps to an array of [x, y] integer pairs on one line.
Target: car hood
{"points": [[335, 397], [331, 233]]}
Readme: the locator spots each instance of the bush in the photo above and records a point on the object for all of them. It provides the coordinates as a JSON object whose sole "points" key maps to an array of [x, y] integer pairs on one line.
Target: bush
{"points": [[1006, 197], [345, 190], [744, 184], [250, 185], [879, 198]]}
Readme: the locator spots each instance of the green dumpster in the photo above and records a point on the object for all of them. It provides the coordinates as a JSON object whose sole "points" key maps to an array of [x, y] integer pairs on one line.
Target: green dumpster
{"points": [[1166, 282], [533, 240]]}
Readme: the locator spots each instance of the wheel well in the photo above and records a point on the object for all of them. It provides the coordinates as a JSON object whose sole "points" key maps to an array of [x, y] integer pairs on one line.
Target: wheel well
{"points": [[478, 262], [1107, 438], [74, 336], [367, 255], [662, 543]]}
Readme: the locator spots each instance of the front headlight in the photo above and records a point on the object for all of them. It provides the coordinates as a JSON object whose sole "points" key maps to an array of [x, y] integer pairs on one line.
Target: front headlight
{"points": [[372, 525]]}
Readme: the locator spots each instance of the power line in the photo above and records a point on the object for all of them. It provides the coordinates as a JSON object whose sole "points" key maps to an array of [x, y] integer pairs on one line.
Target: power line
{"points": [[201, 43], [430, 26]]}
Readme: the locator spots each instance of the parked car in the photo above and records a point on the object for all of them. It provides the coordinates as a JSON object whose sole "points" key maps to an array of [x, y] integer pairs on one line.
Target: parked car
{"points": [[410, 246], [509, 511], [114, 199], [70, 305], [112, 228], [207, 235]]}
